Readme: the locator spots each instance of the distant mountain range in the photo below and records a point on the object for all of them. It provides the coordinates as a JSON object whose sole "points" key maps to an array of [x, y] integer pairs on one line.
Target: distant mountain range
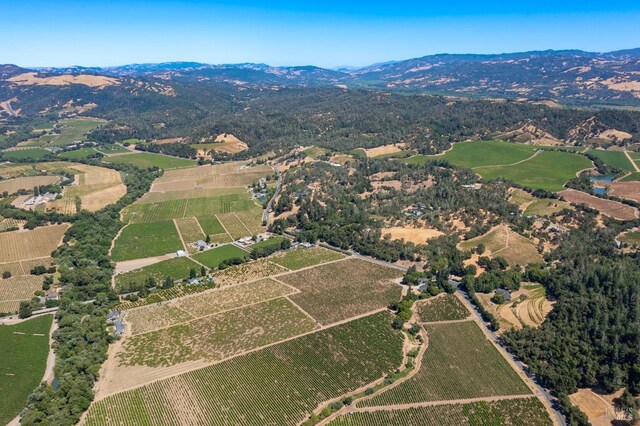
{"points": [[570, 77]]}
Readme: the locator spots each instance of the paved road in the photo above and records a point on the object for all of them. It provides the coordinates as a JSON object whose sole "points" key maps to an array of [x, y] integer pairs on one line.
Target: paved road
{"points": [[540, 392], [267, 210]]}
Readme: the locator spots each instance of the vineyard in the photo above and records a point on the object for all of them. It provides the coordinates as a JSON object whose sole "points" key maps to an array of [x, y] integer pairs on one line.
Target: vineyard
{"points": [[217, 336], [164, 295], [20, 287], [190, 229], [24, 267], [251, 271], [234, 226], [151, 317], [514, 412], [39, 242], [274, 386], [458, 363], [344, 289], [176, 268], [446, 307], [302, 258], [141, 240]]}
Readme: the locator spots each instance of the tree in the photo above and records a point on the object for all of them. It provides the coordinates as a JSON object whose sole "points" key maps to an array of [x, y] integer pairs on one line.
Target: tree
{"points": [[192, 273], [6, 274], [203, 271], [25, 310], [480, 249], [208, 239], [168, 283]]}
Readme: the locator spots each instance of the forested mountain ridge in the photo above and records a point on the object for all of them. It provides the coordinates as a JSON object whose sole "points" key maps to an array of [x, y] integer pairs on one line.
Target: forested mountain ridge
{"points": [[570, 77]]}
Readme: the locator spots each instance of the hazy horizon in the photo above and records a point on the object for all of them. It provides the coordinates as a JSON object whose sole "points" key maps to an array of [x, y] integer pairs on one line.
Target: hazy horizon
{"points": [[288, 33]]}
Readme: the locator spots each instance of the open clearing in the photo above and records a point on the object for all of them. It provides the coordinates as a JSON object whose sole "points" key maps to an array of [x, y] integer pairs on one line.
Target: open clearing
{"points": [[228, 175], [411, 234], [212, 258], [32, 78], [141, 240], [480, 154], [66, 132], [611, 208], [224, 142], [277, 385], [616, 159], [344, 289], [25, 154], [23, 359], [534, 206], [445, 307], [632, 238], [96, 187], [383, 150], [502, 241], [146, 160], [30, 244], [27, 183], [217, 336], [549, 170], [176, 268], [513, 412], [528, 306], [299, 258], [459, 363], [597, 406]]}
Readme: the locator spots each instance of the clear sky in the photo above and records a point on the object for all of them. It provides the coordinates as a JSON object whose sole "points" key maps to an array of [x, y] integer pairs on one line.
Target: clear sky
{"points": [[286, 32]]}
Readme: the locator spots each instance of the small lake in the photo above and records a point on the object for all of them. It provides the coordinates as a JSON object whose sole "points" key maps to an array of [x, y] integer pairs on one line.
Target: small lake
{"points": [[601, 178], [600, 191]]}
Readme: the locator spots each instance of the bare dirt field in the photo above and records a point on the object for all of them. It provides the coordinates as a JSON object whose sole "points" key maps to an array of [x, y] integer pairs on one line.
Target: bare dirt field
{"points": [[628, 190], [31, 79], [607, 207], [597, 406], [29, 244], [410, 234], [13, 185]]}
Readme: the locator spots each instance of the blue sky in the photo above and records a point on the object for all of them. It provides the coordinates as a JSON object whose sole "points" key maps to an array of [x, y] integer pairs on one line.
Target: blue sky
{"points": [[325, 33]]}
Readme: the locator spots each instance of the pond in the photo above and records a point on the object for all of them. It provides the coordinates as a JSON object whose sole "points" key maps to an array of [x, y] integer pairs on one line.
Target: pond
{"points": [[608, 178]]}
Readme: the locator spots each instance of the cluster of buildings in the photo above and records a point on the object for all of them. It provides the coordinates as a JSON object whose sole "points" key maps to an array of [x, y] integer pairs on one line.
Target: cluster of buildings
{"points": [[115, 318], [40, 199]]}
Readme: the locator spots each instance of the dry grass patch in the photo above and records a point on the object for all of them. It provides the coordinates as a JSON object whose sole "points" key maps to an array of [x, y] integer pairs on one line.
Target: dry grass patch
{"points": [[39, 242], [28, 183], [597, 406], [383, 150], [504, 242], [411, 234], [251, 271], [610, 208], [344, 289], [32, 79]]}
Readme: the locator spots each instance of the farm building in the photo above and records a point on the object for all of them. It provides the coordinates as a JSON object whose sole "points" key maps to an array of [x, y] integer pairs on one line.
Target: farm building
{"points": [[181, 253], [119, 327], [112, 316]]}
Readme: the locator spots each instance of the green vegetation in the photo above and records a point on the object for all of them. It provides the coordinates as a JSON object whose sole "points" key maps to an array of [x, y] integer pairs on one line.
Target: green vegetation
{"points": [[446, 307], [113, 148], [631, 238], [480, 154], [140, 240], [516, 412], [217, 336], [616, 159], [67, 132], [299, 258], [315, 152], [189, 207], [266, 387], [26, 154], [176, 268], [147, 160], [22, 362], [212, 258], [79, 154], [270, 242], [632, 177], [459, 363], [210, 225], [549, 170]]}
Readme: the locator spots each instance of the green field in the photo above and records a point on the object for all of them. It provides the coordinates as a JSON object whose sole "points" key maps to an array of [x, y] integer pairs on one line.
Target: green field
{"points": [[549, 170], [315, 152], [147, 160], [632, 177], [112, 148], [616, 159], [78, 154], [480, 154], [218, 336], [141, 240], [24, 154], [68, 132], [517, 412], [273, 241], [631, 238], [302, 258], [210, 225], [278, 385], [176, 268], [442, 308], [213, 257], [459, 363], [188, 207], [23, 359]]}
